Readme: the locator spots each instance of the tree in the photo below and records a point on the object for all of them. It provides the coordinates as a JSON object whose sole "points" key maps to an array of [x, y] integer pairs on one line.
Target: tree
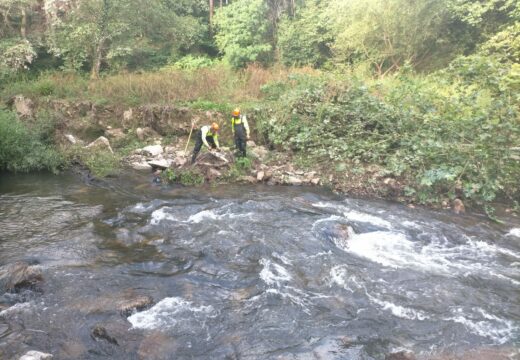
{"points": [[304, 39], [243, 33], [388, 33], [110, 32]]}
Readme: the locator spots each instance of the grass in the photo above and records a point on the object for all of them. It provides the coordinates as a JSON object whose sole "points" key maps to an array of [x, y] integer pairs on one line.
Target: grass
{"points": [[212, 88]]}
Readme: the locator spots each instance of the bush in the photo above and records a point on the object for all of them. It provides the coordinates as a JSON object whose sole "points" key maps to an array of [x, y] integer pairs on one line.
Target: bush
{"points": [[453, 133], [24, 149]]}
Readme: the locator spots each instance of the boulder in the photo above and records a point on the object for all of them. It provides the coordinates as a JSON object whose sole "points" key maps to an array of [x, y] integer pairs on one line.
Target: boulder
{"points": [[36, 355], [141, 165], [160, 164], [315, 181], [180, 161], [458, 206], [137, 303], [170, 149], [20, 275], [260, 176], [115, 133], [24, 107], [146, 133], [293, 180], [71, 139], [100, 143], [249, 179], [212, 174], [153, 150], [251, 143], [128, 116], [260, 152]]}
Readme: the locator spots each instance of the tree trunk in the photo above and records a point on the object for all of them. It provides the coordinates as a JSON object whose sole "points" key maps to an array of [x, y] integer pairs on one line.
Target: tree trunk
{"points": [[23, 26], [221, 4], [210, 12], [96, 63]]}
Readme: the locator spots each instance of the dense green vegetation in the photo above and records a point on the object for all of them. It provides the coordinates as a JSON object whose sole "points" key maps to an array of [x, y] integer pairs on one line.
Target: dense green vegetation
{"points": [[425, 91], [26, 148]]}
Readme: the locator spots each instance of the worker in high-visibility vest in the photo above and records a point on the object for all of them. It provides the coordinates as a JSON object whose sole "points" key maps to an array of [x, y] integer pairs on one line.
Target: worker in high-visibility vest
{"points": [[208, 136], [240, 129]]}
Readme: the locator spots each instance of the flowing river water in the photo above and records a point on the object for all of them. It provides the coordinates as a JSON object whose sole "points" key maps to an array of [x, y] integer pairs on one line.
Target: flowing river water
{"points": [[250, 272]]}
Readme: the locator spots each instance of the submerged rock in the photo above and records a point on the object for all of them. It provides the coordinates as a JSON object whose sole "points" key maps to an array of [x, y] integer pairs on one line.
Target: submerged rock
{"points": [[401, 355], [157, 346], [99, 332], [138, 303], [20, 275]]}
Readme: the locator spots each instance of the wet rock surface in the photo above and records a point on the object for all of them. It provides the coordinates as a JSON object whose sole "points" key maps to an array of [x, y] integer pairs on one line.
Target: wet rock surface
{"points": [[20, 275]]}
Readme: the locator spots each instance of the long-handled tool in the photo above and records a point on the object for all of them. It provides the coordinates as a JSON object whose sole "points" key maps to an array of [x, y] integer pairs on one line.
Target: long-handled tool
{"points": [[189, 137]]}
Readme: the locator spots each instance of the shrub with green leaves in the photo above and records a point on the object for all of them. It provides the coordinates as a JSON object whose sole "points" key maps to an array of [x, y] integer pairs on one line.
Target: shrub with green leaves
{"points": [[452, 133], [24, 148]]}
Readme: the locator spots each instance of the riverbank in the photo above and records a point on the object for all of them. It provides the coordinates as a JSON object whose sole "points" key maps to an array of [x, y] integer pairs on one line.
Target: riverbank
{"points": [[444, 140], [153, 139]]}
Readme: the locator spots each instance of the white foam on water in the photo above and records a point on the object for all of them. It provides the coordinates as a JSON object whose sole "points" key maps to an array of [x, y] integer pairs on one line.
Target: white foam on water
{"points": [[320, 254], [273, 274], [497, 329], [203, 215], [411, 224], [395, 250], [212, 215], [160, 215], [354, 215], [16, 308], [168, 312], [294, 296], [282, 258], [398, 310], [514, 232], [363, 217], [339, 275]]}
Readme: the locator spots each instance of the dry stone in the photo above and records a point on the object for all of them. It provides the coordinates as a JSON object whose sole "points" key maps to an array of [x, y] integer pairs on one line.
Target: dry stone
{"points": [[100, 143], [153, 150], [115, 133], [71, 139], [160, 164]]}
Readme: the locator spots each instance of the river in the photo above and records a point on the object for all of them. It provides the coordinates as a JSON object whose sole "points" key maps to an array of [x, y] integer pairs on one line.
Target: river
{"points": [[250, 272]]}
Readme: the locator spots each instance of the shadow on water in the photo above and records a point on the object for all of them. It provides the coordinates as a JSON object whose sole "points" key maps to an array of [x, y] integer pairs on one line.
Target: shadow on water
{"points": [[137, 270]]}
